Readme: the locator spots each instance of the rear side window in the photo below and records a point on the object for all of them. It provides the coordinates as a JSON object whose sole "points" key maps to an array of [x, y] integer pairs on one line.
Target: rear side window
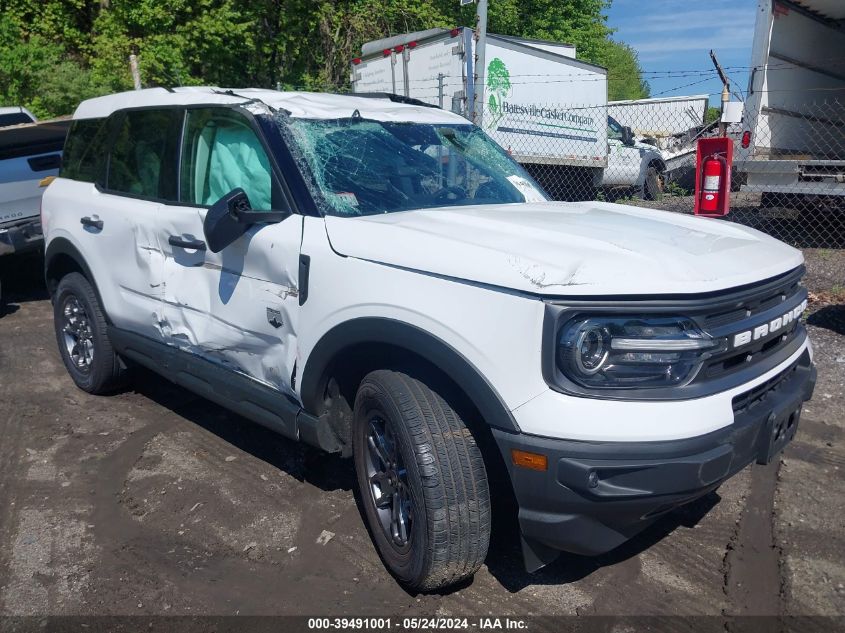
{"points": [[14, 118], [143, 156], [85, 150], [221, 152]]}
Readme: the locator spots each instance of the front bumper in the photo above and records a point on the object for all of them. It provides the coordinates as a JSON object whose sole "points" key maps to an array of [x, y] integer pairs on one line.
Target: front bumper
{"points": [[594, 496], [22, 237]]}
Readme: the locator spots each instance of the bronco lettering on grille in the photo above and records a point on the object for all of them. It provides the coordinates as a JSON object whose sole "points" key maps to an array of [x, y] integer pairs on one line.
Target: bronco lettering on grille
{"points": [[765, 329]]}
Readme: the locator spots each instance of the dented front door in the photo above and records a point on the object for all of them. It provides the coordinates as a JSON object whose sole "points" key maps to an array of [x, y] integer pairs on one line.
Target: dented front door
{"points": [[237, 307]]}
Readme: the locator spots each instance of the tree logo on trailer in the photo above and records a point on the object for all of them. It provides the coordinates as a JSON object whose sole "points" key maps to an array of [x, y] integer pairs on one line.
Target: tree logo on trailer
{"points": [[499, 89]]}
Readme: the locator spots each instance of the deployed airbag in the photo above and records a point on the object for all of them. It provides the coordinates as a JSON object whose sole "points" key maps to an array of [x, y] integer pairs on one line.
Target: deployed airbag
{"points": [[238, 160]]}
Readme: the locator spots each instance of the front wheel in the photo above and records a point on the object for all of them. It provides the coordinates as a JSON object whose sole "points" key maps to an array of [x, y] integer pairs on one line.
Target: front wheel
{"points": [[83, 341], [422, 482], [653, 186]]}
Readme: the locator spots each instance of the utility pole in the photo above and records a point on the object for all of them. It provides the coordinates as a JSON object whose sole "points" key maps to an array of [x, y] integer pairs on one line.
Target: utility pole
{"points": [[479, 66], [726, 92], [133, 66]]}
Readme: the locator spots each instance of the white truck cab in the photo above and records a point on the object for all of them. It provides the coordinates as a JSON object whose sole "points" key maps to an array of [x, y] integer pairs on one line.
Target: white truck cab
{"points": [[377, 277], [632, 164]]}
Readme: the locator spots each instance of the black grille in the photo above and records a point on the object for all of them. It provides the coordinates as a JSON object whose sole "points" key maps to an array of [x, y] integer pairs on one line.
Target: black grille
{"points": [[747, 311], [752, 353], [745, 401], [753, 306]]}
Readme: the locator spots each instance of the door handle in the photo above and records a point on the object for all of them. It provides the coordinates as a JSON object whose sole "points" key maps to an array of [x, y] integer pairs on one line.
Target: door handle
{"points": [[94, 224], [181, 242]]}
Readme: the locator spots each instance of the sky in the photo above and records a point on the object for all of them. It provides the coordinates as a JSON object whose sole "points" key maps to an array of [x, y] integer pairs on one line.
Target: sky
{"points": [[673, 36]]}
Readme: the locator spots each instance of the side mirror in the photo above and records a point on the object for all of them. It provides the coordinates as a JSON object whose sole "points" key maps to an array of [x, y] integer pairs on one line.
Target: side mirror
{"points": [[231, 216], [627, 136], [222, 226]]}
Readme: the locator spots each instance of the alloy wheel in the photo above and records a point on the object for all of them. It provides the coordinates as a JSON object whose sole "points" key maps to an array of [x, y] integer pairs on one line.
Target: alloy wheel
{"points": [[388, 479], [77, 334]]}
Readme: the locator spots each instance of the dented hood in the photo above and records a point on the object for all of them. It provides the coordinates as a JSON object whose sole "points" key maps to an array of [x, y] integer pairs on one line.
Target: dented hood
{"points": [[562, 248]]}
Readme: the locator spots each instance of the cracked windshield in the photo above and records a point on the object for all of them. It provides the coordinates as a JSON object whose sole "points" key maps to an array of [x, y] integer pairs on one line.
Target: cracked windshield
{"points": [[365, 167]]}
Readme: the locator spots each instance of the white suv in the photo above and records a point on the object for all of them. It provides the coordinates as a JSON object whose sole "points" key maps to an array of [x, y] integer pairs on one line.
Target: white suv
{"points": [[376, 277]]}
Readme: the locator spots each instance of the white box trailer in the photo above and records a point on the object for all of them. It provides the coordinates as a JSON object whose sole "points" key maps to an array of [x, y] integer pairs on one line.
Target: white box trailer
{"points": [[660, 117], [544, 106], [793, 139]]}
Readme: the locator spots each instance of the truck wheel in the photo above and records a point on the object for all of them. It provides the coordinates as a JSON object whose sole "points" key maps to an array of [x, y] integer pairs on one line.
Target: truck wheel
{"points": [[422, 481], [81, 334], [653, 186]]}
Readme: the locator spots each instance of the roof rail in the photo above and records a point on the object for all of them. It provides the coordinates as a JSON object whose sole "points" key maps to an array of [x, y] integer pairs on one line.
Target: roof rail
{"points": [[395, 98]]}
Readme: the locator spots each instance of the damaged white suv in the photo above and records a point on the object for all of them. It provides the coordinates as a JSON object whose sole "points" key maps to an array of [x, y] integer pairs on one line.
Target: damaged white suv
{"points": [[376, 277]]}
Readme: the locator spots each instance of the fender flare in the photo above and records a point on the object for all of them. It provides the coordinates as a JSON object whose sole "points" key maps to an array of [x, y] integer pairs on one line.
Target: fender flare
{"points": [[379, 330], [63, 246]]}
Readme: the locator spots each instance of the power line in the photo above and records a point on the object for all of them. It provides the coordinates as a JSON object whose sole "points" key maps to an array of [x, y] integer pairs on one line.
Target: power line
{"points": [[653, 74]]}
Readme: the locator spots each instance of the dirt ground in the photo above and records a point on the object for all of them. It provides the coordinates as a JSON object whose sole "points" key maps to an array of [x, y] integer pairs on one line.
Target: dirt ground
{"points": [[154, 501]]}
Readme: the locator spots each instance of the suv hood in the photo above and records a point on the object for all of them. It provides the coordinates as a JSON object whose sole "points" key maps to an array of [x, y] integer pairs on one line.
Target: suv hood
{"points": [[562, 248]]}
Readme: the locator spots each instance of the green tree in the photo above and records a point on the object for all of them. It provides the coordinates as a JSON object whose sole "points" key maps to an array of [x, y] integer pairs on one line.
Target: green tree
{"points": [[342, 26], [40, 74], [55, 52], [578, 22], [712, 114], [180, 42], [624, 75]]}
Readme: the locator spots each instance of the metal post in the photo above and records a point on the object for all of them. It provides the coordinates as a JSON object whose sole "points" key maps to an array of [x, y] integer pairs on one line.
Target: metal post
{"points": [[440, 90], [136, 76], [406, 56], [726, 92], [480, 67]]}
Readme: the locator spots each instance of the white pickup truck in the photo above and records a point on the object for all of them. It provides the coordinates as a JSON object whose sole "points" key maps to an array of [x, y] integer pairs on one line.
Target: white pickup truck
{"points": [[30, 153], [632, 164]]}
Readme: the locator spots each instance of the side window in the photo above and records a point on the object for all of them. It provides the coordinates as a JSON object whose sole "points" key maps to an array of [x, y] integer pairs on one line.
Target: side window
{"points": [[84, 154], [143, 156], [221, 152], [14, 118], [614, 130]]}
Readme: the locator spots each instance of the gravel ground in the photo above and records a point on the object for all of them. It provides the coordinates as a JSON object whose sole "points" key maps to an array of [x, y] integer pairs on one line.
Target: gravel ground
{"points": [[154, 501]]}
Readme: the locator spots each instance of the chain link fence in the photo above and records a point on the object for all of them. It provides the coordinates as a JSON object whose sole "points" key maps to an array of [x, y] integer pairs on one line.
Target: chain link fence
{"points": [[788, 175]]}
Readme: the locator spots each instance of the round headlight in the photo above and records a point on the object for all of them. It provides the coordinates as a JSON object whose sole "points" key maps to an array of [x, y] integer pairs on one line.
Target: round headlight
{"points": [[591, 349], [632, 351]]}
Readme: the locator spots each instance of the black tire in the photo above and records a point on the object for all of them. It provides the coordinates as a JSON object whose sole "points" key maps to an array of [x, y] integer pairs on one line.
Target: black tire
{"points": [[653, 185], [440, 480], [83, 341]]}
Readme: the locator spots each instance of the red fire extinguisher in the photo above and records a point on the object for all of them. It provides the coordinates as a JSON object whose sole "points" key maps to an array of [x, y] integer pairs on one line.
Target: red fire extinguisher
{"points": [[714, 169]]}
